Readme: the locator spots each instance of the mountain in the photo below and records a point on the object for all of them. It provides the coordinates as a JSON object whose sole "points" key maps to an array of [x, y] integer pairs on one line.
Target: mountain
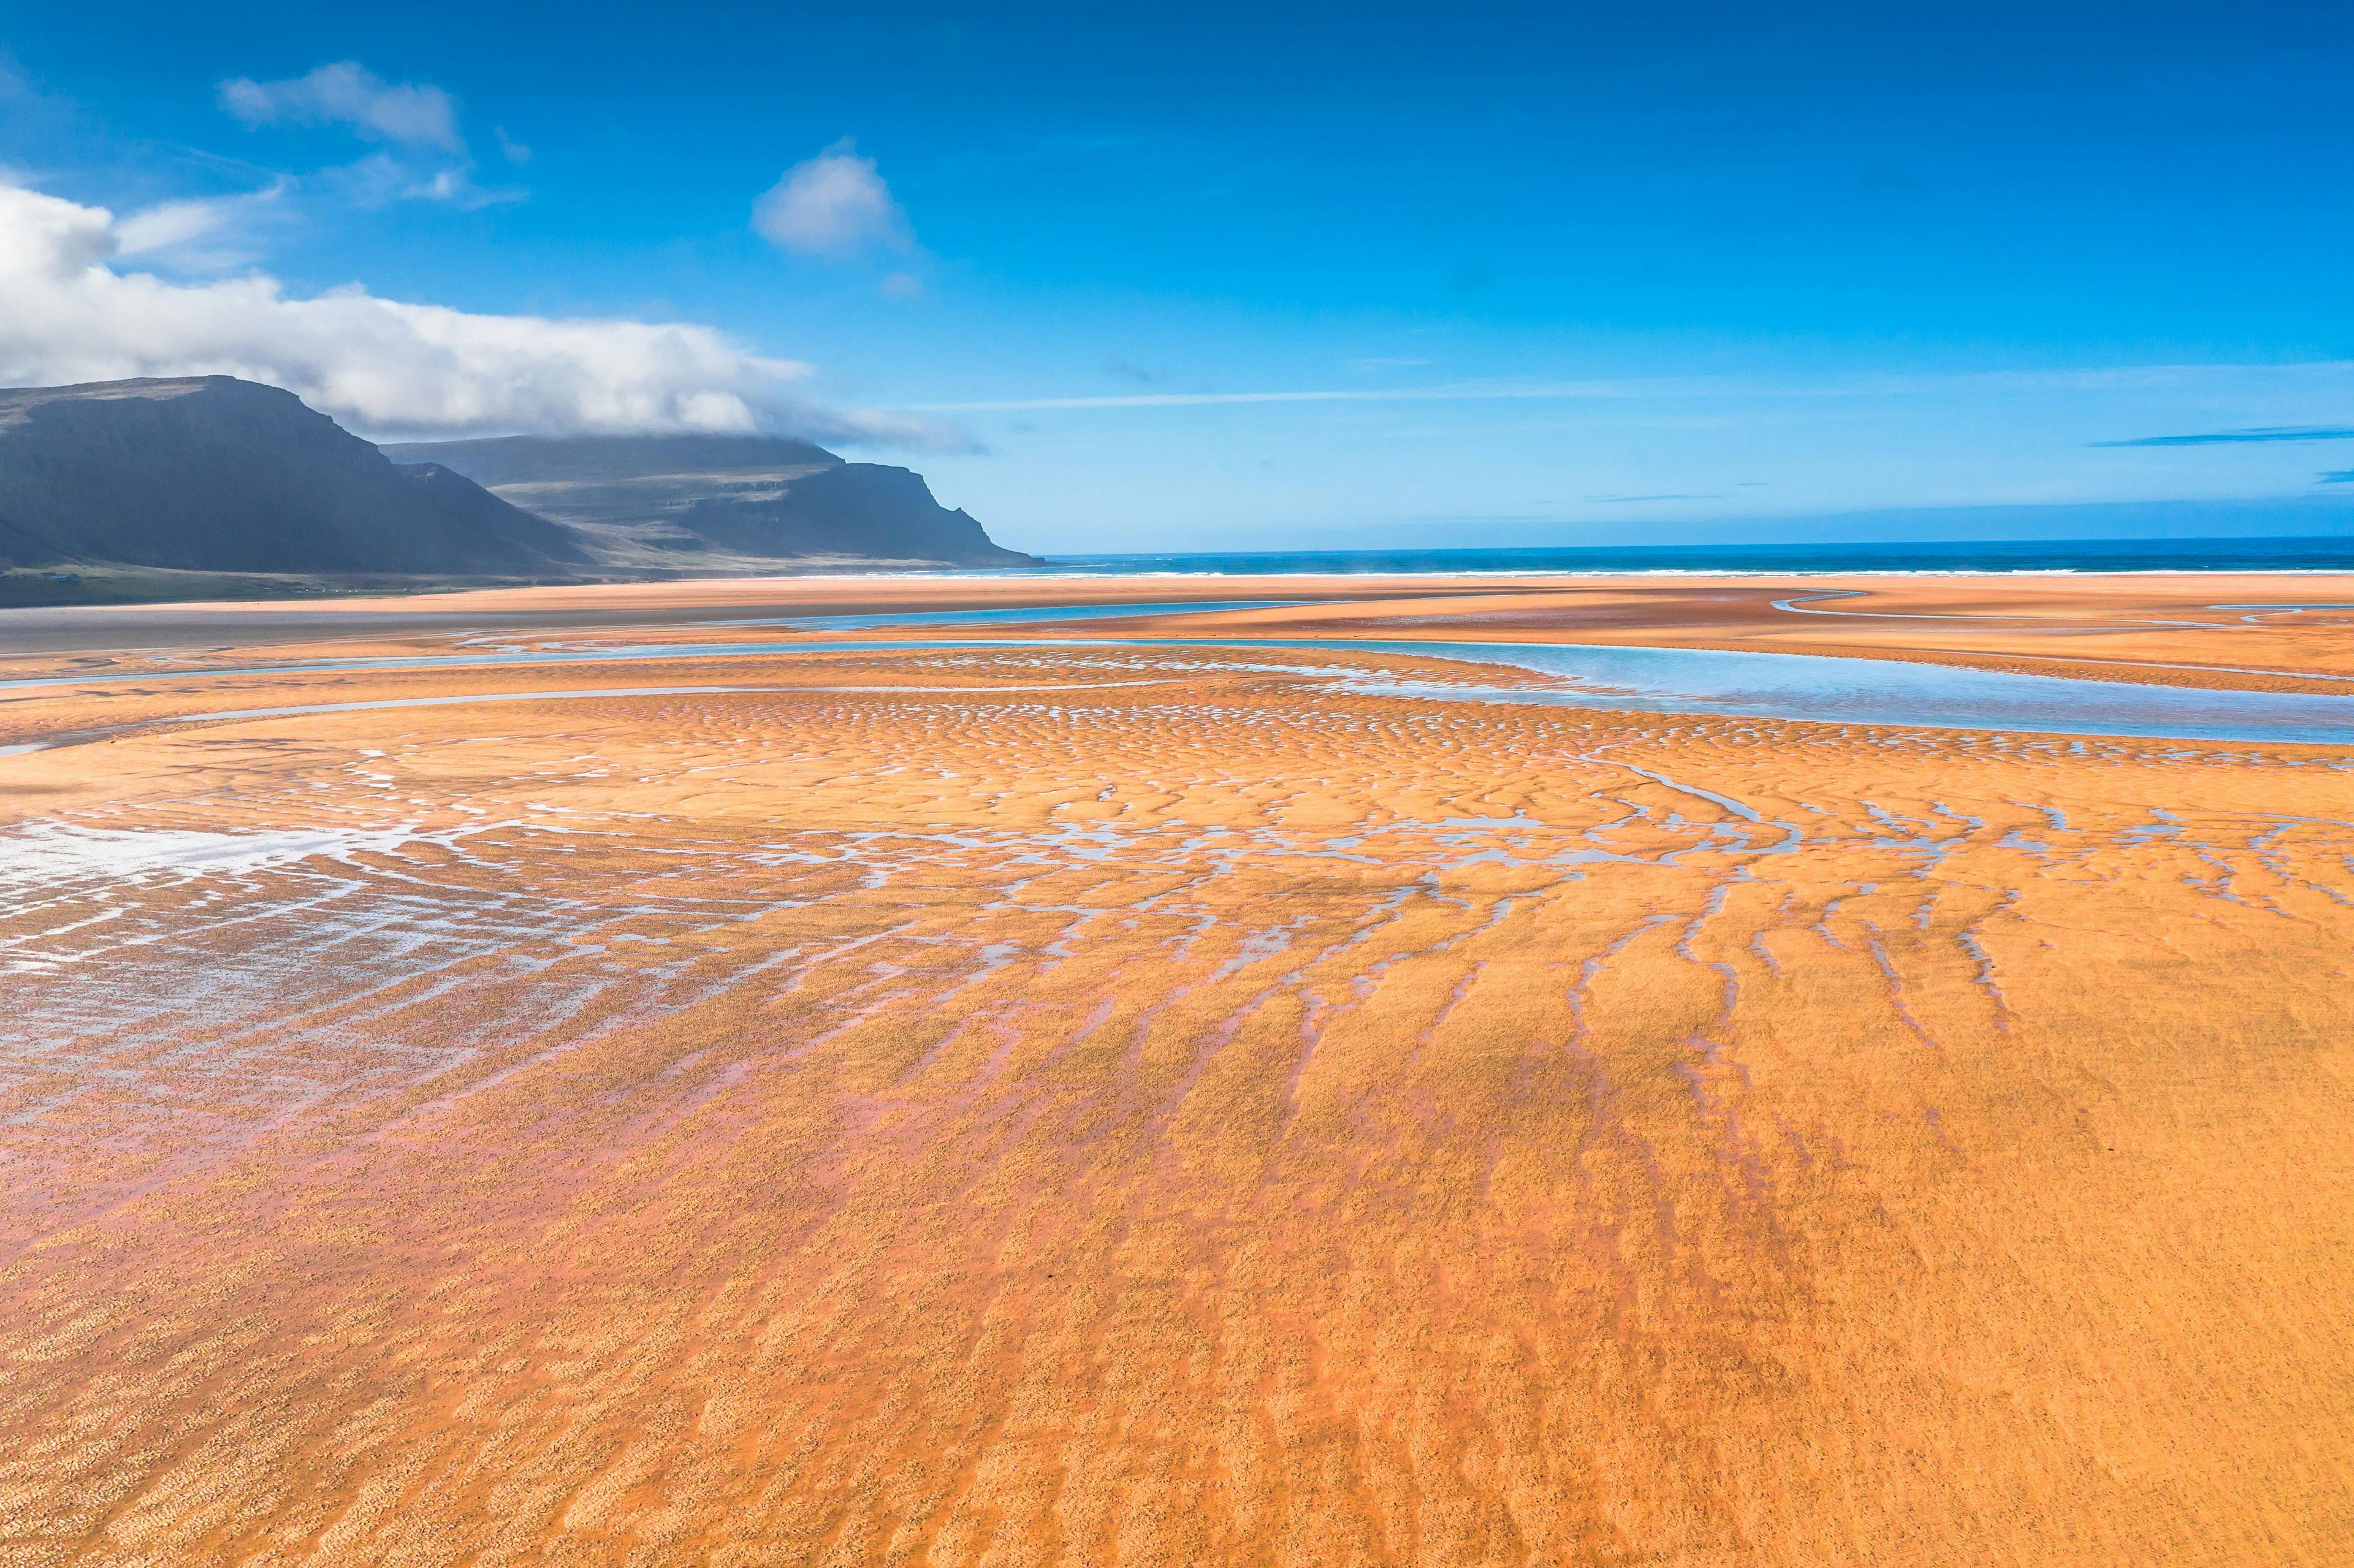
{"points": [[677, 504], [210, 473]]}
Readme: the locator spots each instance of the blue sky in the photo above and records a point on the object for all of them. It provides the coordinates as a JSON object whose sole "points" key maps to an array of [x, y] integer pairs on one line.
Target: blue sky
{"points": [[1291, 277]]}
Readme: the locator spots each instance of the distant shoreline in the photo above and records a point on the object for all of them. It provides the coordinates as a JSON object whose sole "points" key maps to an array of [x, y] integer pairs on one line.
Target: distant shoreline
{"points": [[2273, 554], [2293, 555]]}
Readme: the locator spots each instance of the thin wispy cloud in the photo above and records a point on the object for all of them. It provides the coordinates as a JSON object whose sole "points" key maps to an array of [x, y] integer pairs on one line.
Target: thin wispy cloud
{"points": [[834, 206], [386, 367], [2258, 435], [423, 153], [347, 93], [381, 179], [2119, 378], [1460, 392], [1625, 500], [208, 233], [169, 224]]}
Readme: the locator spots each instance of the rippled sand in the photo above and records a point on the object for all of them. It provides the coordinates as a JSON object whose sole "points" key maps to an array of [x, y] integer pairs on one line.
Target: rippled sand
{"points": [[1156, 1106]]}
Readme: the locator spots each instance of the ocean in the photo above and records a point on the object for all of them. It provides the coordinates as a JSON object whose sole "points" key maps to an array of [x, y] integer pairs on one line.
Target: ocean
{"points": [[2332, 554]]}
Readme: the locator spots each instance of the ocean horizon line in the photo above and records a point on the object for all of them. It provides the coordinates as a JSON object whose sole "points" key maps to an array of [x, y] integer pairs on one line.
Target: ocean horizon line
{"points": [[2265, 554]]}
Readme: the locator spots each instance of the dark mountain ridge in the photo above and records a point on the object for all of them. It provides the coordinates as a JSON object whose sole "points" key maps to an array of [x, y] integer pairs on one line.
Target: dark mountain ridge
{"points": [[210, 473], [208, 485], [653, 501]]}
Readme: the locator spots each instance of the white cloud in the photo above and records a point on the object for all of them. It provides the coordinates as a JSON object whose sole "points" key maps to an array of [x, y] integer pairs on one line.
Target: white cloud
{"points": [[833, 206], [169, 224], [406, 114], [209, 233], [426, 157], [382, 366], [381, 179]]}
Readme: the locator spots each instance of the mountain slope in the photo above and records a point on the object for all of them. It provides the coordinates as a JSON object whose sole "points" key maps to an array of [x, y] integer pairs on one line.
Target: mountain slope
{"points": [[685, 503], [214, 474]]}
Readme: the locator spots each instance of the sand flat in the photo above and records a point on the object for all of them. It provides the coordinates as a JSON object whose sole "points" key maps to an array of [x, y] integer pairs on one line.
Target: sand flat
{"points": [[1084, 1104]]}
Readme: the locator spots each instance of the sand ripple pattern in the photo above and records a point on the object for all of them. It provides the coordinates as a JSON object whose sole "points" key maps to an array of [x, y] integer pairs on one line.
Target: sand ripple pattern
{"points": [[1238, 1120]]}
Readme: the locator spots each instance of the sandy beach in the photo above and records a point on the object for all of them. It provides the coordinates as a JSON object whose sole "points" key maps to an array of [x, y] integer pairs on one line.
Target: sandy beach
{"points": [[1166, 1104]]}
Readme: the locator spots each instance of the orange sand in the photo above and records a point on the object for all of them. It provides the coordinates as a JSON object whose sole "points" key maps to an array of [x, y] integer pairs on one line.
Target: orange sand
{"points": [[2152, 628], [2155, 628], [1097, 1105]]}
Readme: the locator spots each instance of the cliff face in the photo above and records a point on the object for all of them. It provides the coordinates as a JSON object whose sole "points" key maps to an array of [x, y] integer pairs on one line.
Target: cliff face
{"points": [[152, 480], [212, 474], [852, 508], [684, 503]]}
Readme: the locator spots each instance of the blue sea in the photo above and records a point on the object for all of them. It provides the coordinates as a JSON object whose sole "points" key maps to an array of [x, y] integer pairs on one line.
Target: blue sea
{"points": [[2332, 554]]}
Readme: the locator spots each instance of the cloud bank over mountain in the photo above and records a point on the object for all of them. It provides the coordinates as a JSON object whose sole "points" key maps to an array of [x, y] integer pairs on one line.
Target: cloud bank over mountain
{"points": [[386, 366]]}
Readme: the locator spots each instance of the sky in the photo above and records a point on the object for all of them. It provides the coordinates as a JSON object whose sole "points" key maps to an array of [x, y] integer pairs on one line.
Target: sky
{"points": [[1210, 277]]}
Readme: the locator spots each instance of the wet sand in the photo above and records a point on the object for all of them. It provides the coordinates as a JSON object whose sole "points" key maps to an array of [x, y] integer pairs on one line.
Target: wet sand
{"points": [[1088, 1105], [2267, 632], [2275, 631]]}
